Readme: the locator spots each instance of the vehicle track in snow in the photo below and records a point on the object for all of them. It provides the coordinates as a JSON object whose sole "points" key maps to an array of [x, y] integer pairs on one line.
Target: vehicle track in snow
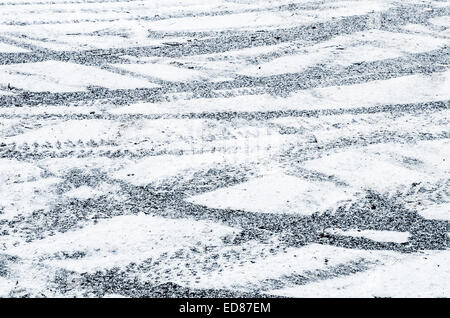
{"points": [[224, 148]]}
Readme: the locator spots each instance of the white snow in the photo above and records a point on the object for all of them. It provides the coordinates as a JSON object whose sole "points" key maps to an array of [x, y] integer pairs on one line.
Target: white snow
{"points": [[53, 76], [6, 285], [267, 19], [205, 254], [4, 93], [125, 24], [379, 236], [426, 156], [85, 192], [437, 212], [443, 21], [419, 275], [365, 170], [123, 239], [47, 109], [427, 88], [157, 168], [72, 130], [60, 166], [286, 64], [13, 171], [7, 123], [292, 261], [8, 48], [382, 167], [367, 46], [163, 71], [277, 193], [246, 20], [27, 197], [328, 129]]}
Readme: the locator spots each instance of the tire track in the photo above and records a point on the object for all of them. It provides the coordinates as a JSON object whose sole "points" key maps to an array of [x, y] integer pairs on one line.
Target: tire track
{"points": [[78, 160]]}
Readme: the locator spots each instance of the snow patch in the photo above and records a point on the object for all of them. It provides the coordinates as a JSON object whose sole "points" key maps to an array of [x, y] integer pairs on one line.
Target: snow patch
{"points": [[27, 197], [427, 88], [291, 261], [419, 275], [277, 193], [374, 167], [437, 212], [157, 168], [13, 171], [163, 71], [123, 239], [8, 48], [72, 130], [374, 235], [85, 192], [52, 76]]}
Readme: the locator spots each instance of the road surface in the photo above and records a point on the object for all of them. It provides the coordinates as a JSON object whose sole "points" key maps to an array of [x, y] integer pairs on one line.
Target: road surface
{"points": [[218, 148]]}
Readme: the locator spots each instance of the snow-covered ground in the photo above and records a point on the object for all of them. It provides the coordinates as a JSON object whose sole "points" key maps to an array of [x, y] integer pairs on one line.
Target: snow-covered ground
{"points": [[216, 148]]}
